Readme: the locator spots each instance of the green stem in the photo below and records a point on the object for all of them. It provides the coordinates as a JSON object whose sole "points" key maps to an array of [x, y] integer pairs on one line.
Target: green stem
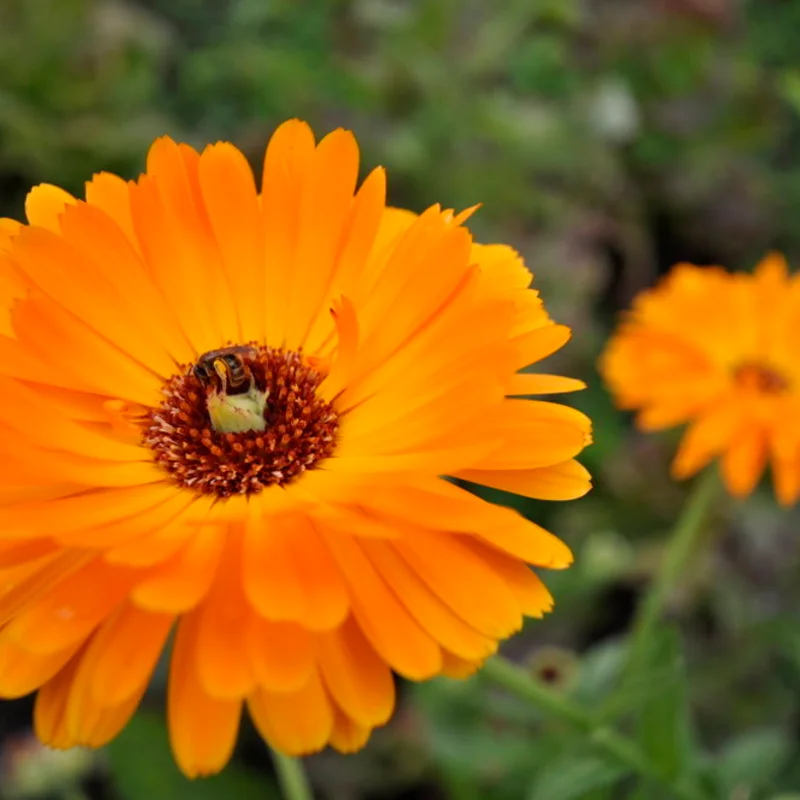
{"points": [[291, 777], [681, 545], [618, 747]]}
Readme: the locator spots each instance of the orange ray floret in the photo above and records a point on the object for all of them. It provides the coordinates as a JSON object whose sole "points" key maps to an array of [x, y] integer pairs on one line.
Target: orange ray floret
{"points": [[718, 352], [238, 417]]}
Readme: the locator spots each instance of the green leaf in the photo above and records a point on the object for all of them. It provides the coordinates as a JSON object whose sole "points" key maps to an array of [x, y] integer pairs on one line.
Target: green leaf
{"points": [[754, 759], [640, 689], [142, 767], [573, 777], [663, 723], [475, 734], [600, 669]]}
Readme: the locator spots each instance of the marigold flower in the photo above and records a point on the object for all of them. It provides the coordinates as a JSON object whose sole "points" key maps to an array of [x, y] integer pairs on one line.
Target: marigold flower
{"points": [[718, 351], [231, 414]]}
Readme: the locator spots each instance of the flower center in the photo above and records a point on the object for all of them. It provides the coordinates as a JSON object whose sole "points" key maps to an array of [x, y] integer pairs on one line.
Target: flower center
{"points": [[761, 378], [240, 419]]}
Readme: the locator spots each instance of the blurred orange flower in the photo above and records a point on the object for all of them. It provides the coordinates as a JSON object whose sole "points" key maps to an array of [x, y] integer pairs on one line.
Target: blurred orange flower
{"points": [[718, 351], [228, 413]]}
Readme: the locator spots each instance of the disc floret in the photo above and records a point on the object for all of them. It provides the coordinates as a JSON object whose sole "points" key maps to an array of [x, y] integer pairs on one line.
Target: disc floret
{"points": [[240, 419]]}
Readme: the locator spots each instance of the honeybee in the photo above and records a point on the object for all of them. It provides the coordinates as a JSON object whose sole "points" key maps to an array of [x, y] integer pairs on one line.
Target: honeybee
{"points": [[235, 403], [226, 370]]}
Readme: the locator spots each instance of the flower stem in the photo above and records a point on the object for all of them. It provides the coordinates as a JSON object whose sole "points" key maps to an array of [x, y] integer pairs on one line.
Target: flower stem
{"points": [[681, 545], [616, 746], [291, 777]]}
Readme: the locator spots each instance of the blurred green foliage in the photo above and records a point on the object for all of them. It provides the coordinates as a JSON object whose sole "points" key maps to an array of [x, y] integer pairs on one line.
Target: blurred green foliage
{"points": [[152, 773], [606, 139]]}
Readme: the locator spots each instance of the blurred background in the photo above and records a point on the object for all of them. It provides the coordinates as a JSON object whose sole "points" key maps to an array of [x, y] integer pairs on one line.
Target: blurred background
{"points": [[607, 140]]}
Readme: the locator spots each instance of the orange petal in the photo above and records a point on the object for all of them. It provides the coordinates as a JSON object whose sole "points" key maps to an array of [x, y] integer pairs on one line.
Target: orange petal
{"points": [[744, 460], [74, 606], [222, 623], [283, 654], [66, 715], [359, 681], [73, 277], [89, 722], [286, 165], [459, 668], [21, 405], [13, 553], [533, 384], [440, 460], [182, 582], [452, 571], [289, 574], [565, 481], [178, 523], [12, 284], [348, 736], [23, 671], [440, 505], [409, 339], [169, 508], [98, 725], [325, 201], [436, 617], [111, 194], [419, 420], [49, 712], [540, 343], [397, 311], [361, 229], [185, 241], [391, 630], [346, 321], [124, 652], [229, 192], [296, 723], [101, 238], [202, 729], [786, 474], [180, 281], [529, 591], [44, 205], [9, 228], [706, 437], [84, 359], [537, 434], [25, 584], [91, 510]]}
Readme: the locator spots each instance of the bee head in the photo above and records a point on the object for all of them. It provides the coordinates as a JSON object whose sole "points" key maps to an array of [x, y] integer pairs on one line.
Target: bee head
{"points": [[201, 371]]}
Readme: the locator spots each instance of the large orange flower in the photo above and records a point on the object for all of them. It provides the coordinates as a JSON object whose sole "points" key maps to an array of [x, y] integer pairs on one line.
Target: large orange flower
{"points": [[719, 351], [279, 503]]}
